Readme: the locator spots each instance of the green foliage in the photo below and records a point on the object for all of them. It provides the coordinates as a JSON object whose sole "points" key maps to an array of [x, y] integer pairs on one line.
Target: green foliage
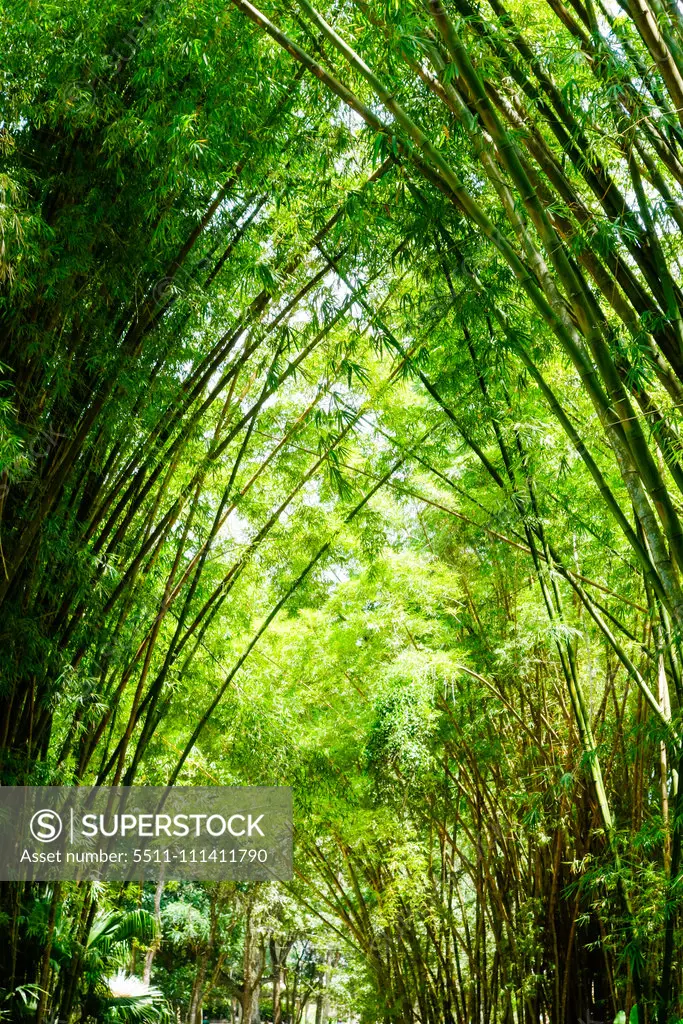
{"points": [[340, 448]]}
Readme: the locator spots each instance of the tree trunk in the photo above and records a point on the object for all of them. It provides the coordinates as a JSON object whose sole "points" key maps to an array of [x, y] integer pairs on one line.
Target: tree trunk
{"points": [[277, 988], [322, 1002], [194, 1015], [253, 970], [278, 960], [45, 966], [156, 943]]}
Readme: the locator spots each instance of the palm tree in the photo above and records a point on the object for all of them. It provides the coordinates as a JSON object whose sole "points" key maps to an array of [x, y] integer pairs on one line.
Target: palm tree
{"points": [[111, 995]]}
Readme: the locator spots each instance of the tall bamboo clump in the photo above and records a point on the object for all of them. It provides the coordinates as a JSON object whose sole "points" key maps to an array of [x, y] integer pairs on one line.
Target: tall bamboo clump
{"points": [[161, 238], [570, 167]]}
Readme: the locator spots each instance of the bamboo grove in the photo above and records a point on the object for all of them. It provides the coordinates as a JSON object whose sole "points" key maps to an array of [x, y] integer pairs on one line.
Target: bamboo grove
{"points": [[342, 368]]}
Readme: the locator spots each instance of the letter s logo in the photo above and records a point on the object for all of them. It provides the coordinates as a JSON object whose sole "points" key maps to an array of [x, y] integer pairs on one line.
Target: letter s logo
{"points": [[46, 825]]}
